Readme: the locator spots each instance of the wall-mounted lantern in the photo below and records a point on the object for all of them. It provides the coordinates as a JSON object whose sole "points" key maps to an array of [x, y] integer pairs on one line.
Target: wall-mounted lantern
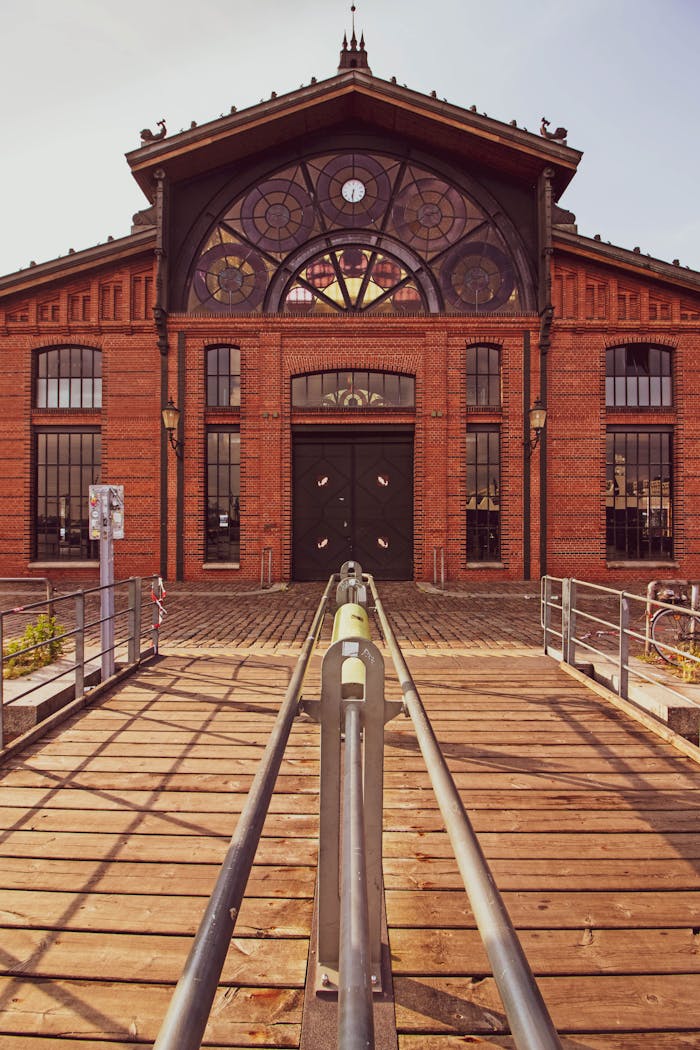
{"points": [[538, 418], [171, 418]]}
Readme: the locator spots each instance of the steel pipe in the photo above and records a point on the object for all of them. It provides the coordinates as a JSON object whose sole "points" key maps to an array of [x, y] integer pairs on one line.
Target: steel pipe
{"points": [[525, 1009], [186, 1019], [355, 1009]]}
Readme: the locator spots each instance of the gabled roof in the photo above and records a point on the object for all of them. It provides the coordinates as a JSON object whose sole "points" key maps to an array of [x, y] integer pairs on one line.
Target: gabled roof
{"points": [[355, 96], [637, 265], [79, 263]]}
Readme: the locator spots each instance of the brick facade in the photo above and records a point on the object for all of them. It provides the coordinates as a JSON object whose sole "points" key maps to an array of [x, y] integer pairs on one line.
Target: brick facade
{"points": [[552, 503]]}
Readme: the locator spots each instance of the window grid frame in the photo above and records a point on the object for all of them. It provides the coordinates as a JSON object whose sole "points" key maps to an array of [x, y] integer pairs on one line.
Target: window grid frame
{"points": [[47, 476], [484, 383], [222, 378], [217, 548], [635, 467], [80, 381], [626, 378], [483, 535]]}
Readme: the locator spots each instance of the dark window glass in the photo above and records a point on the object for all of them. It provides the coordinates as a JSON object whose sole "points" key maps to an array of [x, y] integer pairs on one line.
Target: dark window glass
{"points": [[67, 463], [68, 377], [223, 377], [483, 494], [223, 527], [484, 376], [353, 390], [639, 503], [638, 376]]}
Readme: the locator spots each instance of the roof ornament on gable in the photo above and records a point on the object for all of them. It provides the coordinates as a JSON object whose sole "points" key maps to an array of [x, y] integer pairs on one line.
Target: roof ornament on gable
{"points": [[557, 136], [353, 57], [148, 136]]}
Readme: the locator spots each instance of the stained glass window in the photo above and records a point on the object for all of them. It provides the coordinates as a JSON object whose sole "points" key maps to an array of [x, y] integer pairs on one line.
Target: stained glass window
{"points": [[355, 232], [353, 389]]}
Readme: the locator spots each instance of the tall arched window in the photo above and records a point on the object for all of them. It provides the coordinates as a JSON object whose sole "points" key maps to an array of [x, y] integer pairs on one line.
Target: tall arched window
{"points": [[484, 376], [68, 377], [223, 377], [638, 375]]}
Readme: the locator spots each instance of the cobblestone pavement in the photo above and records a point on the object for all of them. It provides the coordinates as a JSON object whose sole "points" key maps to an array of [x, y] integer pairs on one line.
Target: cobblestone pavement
{"points": [[505, 615], [421, 618], [240, 615]]}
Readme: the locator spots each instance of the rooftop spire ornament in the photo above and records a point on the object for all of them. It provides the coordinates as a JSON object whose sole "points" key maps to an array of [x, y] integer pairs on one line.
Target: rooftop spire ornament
{"points": [[352, 56]]}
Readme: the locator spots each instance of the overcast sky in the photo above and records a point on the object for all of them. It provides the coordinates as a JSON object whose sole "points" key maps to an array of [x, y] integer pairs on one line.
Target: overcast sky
{"points": [[80, 78]]}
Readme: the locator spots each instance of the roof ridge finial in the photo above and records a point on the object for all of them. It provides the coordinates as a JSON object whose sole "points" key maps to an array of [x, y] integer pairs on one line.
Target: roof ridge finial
{"points": [[353, 57]]}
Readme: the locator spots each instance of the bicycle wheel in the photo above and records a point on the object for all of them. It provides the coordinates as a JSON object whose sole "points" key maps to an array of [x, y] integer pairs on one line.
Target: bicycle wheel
{"points": [[671, 627]]}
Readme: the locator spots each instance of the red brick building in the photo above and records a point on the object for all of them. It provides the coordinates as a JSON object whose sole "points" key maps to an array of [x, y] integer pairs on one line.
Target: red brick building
{"points": [[354, 294]]}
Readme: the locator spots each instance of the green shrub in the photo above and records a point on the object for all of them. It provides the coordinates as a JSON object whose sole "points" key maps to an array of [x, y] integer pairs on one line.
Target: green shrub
{"points": [[18, 663]]}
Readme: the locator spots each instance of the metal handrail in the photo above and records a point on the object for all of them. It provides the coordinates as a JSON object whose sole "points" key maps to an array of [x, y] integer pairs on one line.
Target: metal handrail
{"points": [[571, 639], [355, 1008], [529, 1020], [190, 1006], [77, 667]]}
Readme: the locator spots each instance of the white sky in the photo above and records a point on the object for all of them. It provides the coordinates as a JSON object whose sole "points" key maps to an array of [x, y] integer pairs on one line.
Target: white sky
{"points": [[80, 78]]}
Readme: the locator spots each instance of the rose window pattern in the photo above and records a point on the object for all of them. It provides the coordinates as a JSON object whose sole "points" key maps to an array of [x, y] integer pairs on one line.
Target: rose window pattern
{"points": [[355, 232]]}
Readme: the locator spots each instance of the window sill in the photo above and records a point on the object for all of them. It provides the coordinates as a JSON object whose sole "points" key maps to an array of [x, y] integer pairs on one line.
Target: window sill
{"points": [[215, 566], [642, 565], [67, 563], [486, 565]]}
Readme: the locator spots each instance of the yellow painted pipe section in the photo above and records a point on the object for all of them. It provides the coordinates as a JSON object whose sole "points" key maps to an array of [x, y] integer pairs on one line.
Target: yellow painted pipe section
{"points": [[351, 621]]}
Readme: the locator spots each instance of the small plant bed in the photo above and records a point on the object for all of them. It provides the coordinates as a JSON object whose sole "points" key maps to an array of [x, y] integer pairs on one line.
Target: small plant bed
{"points": [[41, 644]]}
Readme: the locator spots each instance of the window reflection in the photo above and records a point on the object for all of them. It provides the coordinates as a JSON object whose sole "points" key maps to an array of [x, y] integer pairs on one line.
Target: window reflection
{"points": [[638, 376], [68, 377], [353, 389]]}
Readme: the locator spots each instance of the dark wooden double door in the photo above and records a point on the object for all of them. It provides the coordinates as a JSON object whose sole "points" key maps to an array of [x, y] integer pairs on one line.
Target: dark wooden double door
{"points": [[353, 500]]}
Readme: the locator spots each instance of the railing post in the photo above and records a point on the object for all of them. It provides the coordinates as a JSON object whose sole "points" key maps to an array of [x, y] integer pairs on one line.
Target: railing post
{"points": [[566, 620], [624, 655], [2, 676], [546, 610], [134, 651], [265, 551], [79, 643]]}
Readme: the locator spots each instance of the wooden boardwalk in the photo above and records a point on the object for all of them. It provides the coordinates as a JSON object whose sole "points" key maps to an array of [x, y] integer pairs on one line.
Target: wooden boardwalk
{"points": [[115, 824]]}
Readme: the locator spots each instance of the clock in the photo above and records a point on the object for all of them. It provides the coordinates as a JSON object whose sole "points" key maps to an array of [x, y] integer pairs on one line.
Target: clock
{"points": [[353, 190]]}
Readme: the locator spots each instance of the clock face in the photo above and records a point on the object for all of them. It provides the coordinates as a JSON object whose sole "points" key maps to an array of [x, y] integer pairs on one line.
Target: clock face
{"points": [[353, 190]]}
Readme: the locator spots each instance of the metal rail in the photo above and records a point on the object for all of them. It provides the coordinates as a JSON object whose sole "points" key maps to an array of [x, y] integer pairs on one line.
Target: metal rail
{"points": [[74, 605], [355, 1008], [190, 1006], [562, 601], [525, 1009]]}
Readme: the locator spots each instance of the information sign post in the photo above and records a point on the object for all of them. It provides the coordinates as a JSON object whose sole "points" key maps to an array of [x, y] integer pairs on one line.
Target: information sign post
{"points": [[107, 525]]}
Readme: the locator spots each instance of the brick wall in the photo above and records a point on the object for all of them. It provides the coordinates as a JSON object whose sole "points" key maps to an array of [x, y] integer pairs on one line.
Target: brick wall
{"points": [[595, 307]]}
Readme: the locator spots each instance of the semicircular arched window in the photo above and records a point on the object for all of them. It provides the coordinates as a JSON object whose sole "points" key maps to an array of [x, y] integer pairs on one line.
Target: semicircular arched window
{"points": [[357, 232], [353, 389], [68, 377]]}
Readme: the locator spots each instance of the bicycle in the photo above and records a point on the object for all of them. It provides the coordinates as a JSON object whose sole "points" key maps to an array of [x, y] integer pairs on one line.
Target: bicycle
{"points": [[676, 628]]}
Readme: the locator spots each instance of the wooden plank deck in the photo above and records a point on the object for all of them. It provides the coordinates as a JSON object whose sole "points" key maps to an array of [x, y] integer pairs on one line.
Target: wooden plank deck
{"points": [[115, 825]]}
